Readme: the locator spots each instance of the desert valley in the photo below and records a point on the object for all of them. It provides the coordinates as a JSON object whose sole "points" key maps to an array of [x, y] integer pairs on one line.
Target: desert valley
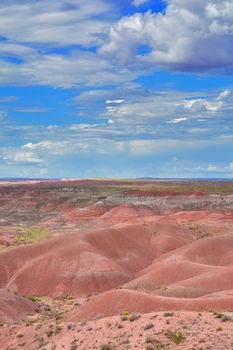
{"points": [[116, 264], [116, 175]]}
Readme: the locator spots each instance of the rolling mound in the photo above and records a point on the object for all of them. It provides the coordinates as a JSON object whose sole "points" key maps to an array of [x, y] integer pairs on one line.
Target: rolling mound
{"points": [[13, 307], [116, 301], [126, 212], [201, 217], [77, 264], [90, 262], [195, 270], [161, 250], [137, 260], [83, 214]]}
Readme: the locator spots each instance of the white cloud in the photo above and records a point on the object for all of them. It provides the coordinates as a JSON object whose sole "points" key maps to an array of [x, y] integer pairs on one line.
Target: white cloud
{"points": [[137, 3], [181, 39], [122, 140], [114, 101], [17, 50], [224, 94], [19, 156], [176, 120], [231, 166], [60, 22], [199, 105], [111, 109], [211, 104], [171, 106], [211, 168], [34, 30], [55, 148], [63, 71]]}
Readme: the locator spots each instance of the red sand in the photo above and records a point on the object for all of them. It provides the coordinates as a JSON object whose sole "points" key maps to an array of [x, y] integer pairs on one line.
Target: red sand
{"points": [[115, 301], [137, 261], [126, 212], [170, 266], [197, 331], [13, 307], [77, 264]]}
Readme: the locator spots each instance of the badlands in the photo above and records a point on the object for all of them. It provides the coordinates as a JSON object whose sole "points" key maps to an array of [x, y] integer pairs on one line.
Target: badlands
{"points": [[116, 264]]}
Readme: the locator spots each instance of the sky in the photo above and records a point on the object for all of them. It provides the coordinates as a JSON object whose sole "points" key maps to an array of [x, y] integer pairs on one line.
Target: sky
{"points": [[116, 88]]}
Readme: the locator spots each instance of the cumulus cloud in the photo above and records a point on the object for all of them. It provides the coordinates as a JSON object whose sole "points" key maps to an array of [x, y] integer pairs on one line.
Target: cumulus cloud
{"points": [[199, 105], [206, 105], [201, 28], [85, 44], [173, 108], [19, 156], [104, 52]]}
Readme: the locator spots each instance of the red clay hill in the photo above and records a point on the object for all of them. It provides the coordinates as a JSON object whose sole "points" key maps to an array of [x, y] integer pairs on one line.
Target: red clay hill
{"points": [[165, 264], [113, 255]]}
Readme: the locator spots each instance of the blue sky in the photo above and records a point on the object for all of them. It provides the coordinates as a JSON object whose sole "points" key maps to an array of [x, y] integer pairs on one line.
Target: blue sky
{"points": [[125, 88]]}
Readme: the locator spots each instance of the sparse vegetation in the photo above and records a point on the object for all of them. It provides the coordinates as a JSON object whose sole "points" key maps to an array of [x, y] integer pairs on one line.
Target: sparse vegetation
{"points": [[73, 347], [49, 333], [168, 314], [53, 205], [125, 313], [134, 316], [148, 326], [33, 234], [58, 329], [34, 298], [149, 347], [225, 318], [176, 336], [106, 347], [124, 318], [154, 344], [221, 316]]}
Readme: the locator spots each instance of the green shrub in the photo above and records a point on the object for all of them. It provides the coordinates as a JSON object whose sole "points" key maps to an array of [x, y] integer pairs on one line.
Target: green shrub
{"points": [[106, 347], [176, 336], [148, 326]]}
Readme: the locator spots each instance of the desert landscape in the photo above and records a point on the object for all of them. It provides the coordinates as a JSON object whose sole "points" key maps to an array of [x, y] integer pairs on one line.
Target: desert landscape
{"points": [[116, 264], [116, 175]]}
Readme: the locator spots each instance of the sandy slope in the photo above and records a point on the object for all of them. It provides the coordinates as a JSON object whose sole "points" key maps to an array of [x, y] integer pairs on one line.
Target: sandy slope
{"points": [[178, 330], [129, 259], [14, 307]]}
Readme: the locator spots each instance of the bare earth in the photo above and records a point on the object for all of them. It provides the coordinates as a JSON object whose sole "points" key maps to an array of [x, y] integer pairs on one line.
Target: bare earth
{"points": [[116, 265]]}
